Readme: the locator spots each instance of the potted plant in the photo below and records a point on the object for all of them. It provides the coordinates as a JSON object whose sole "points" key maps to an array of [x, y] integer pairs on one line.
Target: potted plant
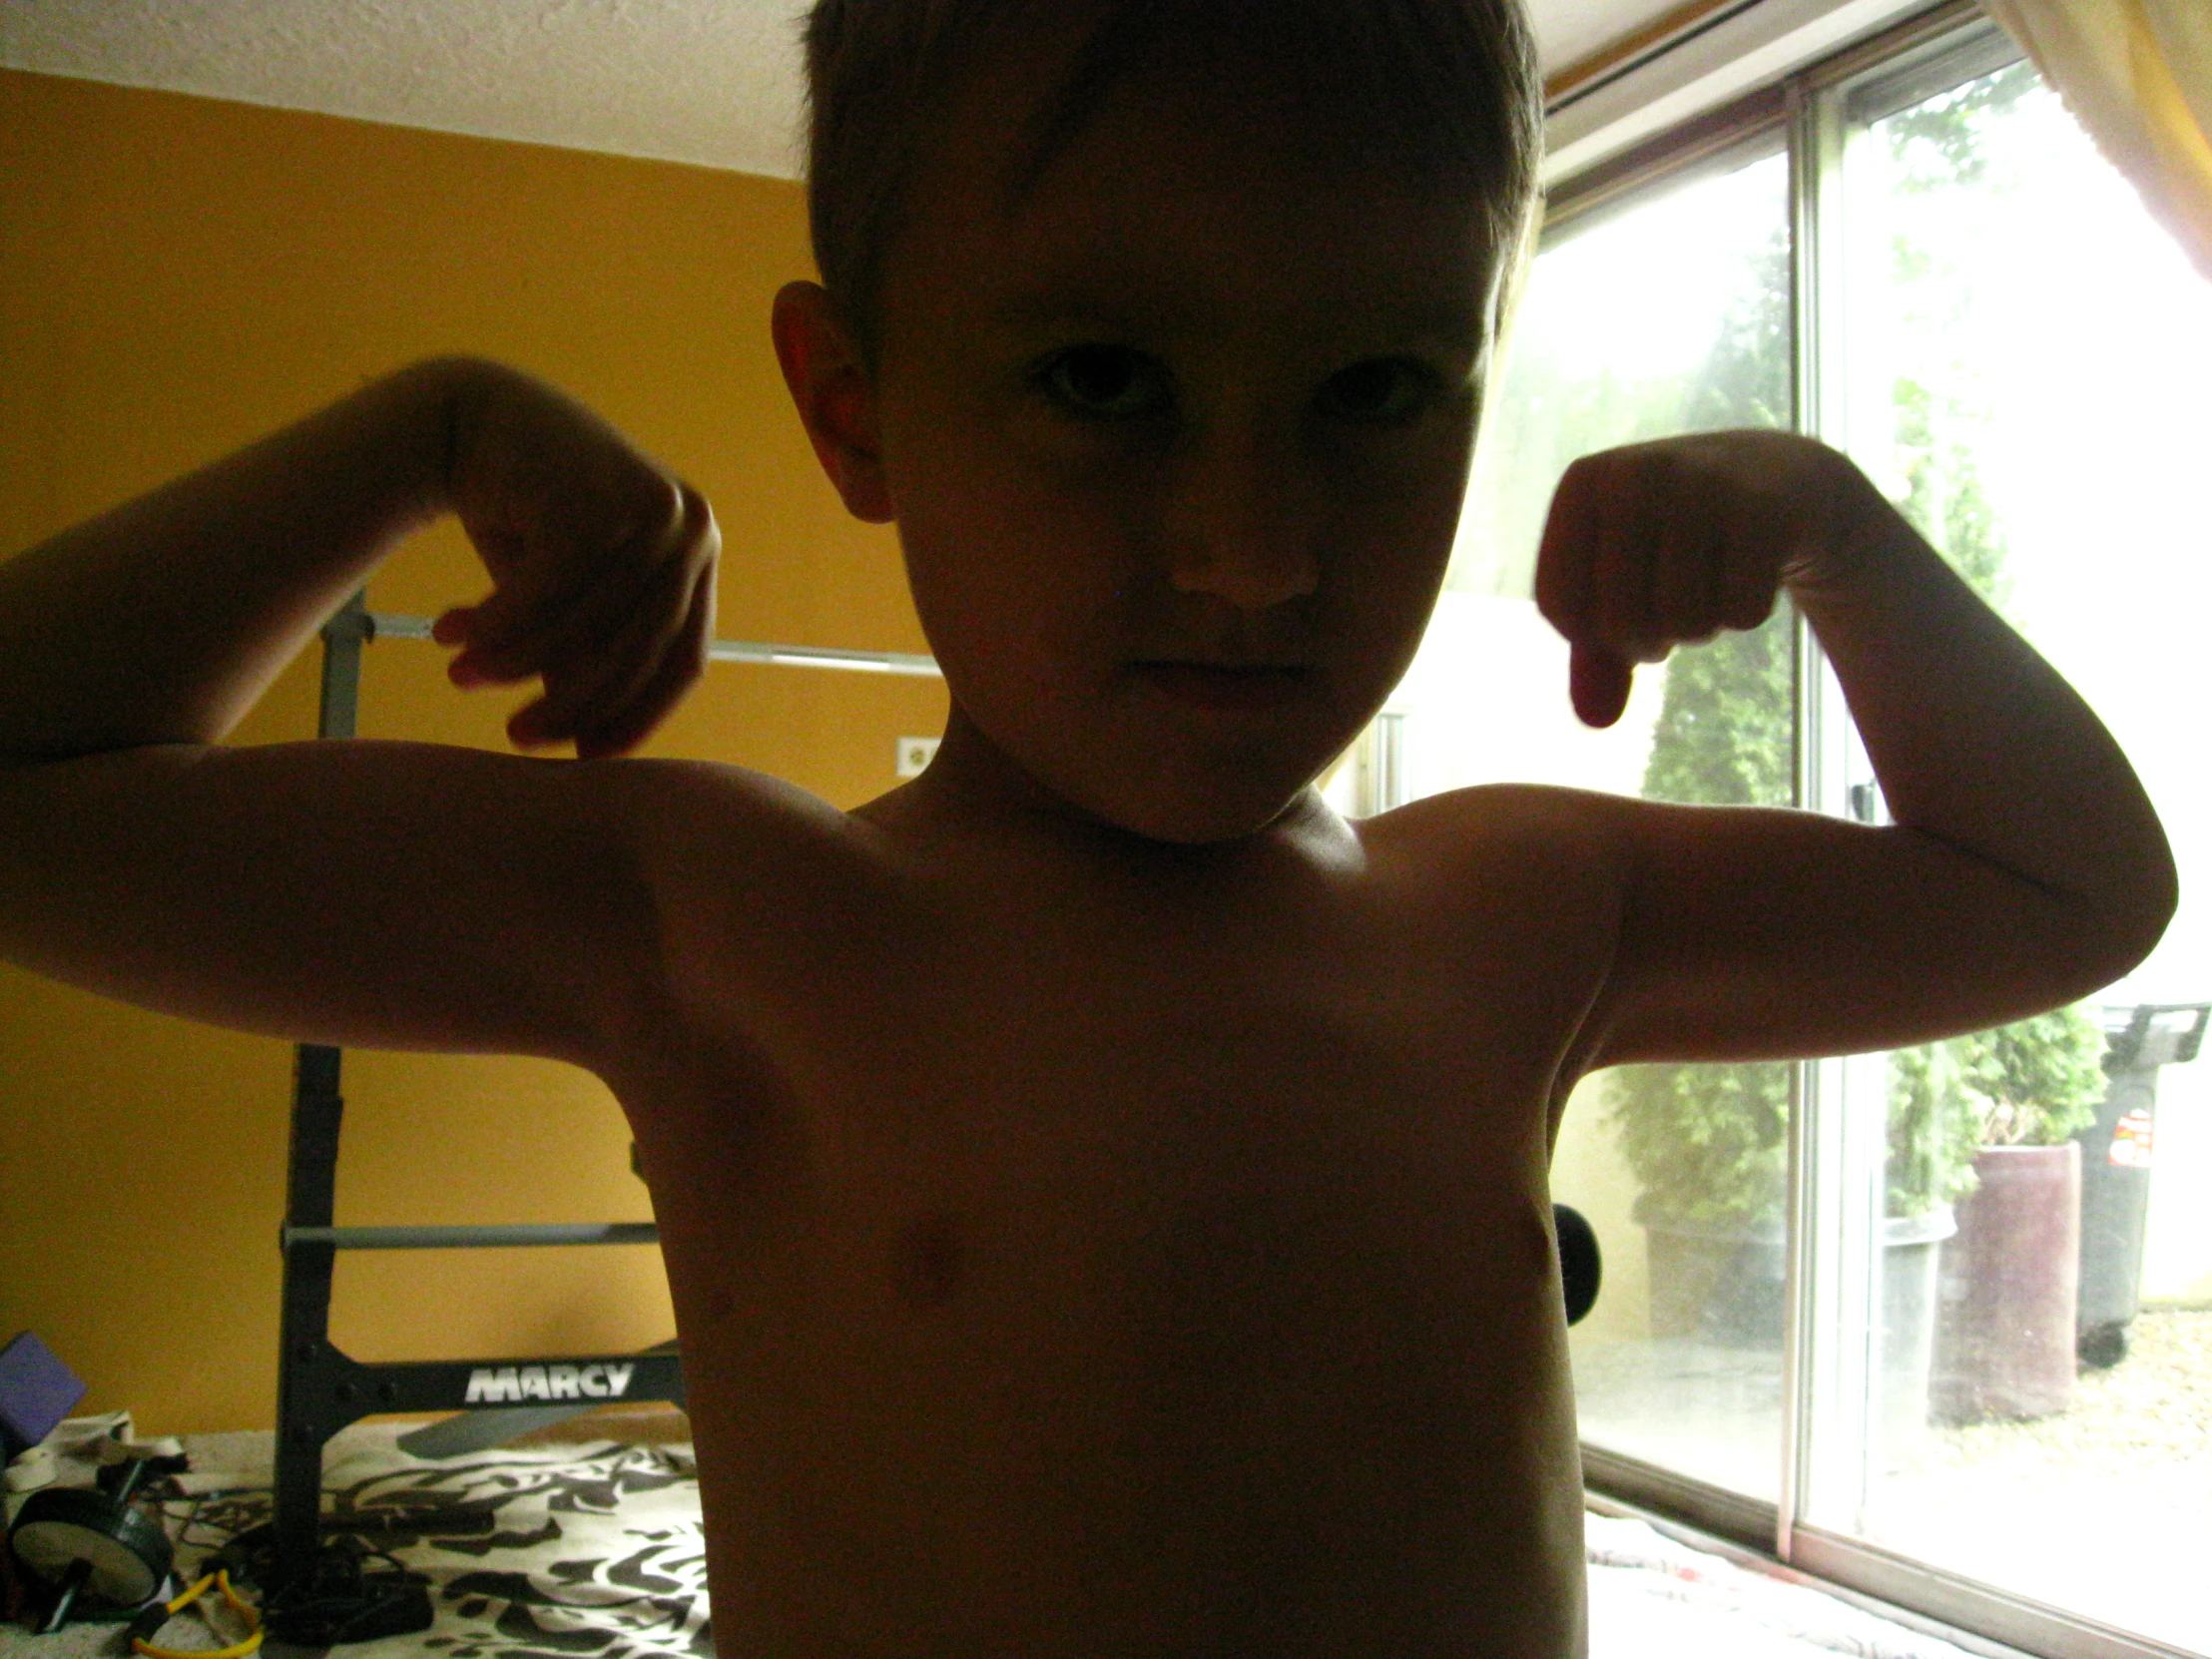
{"points": [[2008, 1279], [1709, 1146]]}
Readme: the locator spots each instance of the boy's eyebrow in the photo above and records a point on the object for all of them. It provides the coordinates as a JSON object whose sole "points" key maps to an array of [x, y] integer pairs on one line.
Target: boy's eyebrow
{"points": [[1444, 325]]}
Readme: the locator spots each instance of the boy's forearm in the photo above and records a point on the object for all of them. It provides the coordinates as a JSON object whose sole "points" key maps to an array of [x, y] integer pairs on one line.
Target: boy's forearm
{"points": [[1979, 741], [163, 620]]}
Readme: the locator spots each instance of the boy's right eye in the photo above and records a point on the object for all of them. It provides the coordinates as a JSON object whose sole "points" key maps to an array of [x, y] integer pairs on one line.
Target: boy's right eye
{"points": [[1105, 383]]}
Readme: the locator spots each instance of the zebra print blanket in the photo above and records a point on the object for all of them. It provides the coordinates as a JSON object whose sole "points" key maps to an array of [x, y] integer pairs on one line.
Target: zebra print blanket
{"points": [[588, 1551], [594, 1550]]}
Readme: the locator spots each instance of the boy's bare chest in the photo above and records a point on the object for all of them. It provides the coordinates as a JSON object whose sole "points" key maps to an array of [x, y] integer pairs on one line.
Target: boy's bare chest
{"points": [[1039, 1086], [1031, 1043], [1211, 1258]]}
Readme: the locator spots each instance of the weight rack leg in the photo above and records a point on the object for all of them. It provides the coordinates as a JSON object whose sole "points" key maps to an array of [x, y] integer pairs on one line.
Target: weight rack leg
{"points": [[303, 1324]]}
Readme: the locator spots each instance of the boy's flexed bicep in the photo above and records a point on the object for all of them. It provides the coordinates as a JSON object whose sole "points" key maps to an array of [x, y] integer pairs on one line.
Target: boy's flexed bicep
{"points": [[1765, 934], [406, 895], [2027, 866]]}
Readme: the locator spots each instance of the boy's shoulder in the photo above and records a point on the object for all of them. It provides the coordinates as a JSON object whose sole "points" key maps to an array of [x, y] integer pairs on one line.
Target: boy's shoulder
{"points": [[1502, 831], [710, 834]]}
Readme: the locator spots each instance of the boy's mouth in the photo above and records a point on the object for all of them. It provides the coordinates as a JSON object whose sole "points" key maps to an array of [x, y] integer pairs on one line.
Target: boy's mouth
{"points": [[1225, 686]]}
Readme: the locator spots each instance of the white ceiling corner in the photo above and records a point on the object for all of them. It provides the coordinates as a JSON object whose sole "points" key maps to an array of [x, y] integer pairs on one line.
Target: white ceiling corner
{"points": [[711, 82]]}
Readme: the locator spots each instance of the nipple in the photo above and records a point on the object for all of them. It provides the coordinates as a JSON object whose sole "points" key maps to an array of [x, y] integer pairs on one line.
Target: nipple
{"points": [[926, 1270]]}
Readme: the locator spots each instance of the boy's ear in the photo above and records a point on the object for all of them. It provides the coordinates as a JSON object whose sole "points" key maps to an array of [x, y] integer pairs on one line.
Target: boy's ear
{"points": [[835, 395]]}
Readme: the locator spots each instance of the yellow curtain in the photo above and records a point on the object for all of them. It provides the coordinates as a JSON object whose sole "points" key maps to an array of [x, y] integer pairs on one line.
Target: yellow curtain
{"points": [[2138, 74]]}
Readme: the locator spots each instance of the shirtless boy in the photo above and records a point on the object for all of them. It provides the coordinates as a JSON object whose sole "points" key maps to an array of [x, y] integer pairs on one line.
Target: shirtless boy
{"points": [[1104, 1191]]}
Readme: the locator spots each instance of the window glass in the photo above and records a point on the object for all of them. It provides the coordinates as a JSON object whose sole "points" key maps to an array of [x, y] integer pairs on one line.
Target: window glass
{"points": [[2027, 358], [1679, 1169]]}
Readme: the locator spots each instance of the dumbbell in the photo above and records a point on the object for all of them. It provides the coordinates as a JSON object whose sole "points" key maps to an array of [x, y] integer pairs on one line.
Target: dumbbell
{"points": [[82, 1540]]}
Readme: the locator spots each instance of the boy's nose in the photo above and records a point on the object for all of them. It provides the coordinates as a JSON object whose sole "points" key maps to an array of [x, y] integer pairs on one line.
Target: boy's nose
{"points": [[1239, 537]]}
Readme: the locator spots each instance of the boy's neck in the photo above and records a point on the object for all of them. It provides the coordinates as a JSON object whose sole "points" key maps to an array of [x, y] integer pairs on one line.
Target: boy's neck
{"points": [[974, 791]]}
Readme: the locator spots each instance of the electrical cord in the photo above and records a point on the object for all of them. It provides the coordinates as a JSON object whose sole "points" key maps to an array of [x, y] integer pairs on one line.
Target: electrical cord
{"points": [[339, 1598], [149, 1623]]}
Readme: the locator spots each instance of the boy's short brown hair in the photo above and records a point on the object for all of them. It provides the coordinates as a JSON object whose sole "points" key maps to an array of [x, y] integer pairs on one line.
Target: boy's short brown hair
{"points": [[1447, 89]]}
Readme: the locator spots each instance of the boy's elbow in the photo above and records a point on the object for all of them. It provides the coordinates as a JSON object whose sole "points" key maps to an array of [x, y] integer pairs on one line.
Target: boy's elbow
{"points": [[2155, 910], [2126, 927]]}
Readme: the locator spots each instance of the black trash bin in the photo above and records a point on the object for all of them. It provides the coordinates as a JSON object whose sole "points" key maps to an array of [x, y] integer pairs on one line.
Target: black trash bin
{"points": [[2116, 1167]]}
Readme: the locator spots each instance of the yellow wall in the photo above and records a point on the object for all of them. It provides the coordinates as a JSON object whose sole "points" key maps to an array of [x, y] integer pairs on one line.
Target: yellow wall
{"points": [[177, 276]]}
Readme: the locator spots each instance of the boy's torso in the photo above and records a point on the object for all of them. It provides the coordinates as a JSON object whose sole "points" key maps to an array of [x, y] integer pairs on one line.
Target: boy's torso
{"points": [[1074, 1255]]}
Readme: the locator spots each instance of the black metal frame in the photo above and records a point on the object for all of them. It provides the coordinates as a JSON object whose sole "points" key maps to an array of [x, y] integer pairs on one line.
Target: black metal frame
{"points": [[319, 1389]]}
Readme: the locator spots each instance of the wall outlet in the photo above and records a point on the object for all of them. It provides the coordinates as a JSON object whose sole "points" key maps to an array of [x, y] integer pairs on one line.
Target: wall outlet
{"points": [[914, 755]]}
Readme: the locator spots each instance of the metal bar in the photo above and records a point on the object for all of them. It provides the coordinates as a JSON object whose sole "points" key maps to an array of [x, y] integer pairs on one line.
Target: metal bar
{"points": [[728, 651], [821, 656], [1760, 1561], [1990, 1614], [303, 1317], [349, 628], [1805, 183], [318, 1113], [310, 1184], [1743, 1519], [1675, 27], [473, 1238], [1378, 765], [1891, 47]]}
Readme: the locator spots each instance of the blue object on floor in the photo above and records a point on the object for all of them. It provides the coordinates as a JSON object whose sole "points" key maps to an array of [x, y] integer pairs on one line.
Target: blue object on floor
{"points": [[36, 1391]]}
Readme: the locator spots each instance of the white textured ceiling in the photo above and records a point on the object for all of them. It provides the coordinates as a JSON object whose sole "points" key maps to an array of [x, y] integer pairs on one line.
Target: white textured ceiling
{"points": [[715, 81]]}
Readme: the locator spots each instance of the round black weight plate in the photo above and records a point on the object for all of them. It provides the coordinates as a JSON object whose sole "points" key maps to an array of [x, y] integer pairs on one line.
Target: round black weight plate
{"points": [[1579, 1267], [129, 1551]]}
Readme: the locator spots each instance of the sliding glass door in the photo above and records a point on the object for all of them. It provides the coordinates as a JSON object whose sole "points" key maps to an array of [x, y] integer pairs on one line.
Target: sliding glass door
{"points": [[2024, 361], [1976, 1375]]}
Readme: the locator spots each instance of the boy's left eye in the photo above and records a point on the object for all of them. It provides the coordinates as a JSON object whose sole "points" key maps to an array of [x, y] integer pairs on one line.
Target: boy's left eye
{"points": [[1382, 390], [1106, 381]]}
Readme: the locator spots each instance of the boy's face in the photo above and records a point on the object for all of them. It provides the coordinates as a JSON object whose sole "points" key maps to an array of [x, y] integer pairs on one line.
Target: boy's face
{"points": [[1175, 442]]}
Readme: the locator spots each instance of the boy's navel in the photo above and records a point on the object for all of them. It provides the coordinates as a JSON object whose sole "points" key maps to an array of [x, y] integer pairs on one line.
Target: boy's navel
{"points": [[926, 1266]]}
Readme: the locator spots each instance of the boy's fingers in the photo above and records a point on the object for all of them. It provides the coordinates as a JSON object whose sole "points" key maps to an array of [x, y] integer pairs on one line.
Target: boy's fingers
{"points": [[1621, 573], [1597, 580], [638, 722], [1564, 556], [1749, 586], [1689, 578], [553, 596], [604, 675], [456, 629], [1598, 682], [593, 686], [592, 612], [658, 619], [519, 635], [679, 669]]}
